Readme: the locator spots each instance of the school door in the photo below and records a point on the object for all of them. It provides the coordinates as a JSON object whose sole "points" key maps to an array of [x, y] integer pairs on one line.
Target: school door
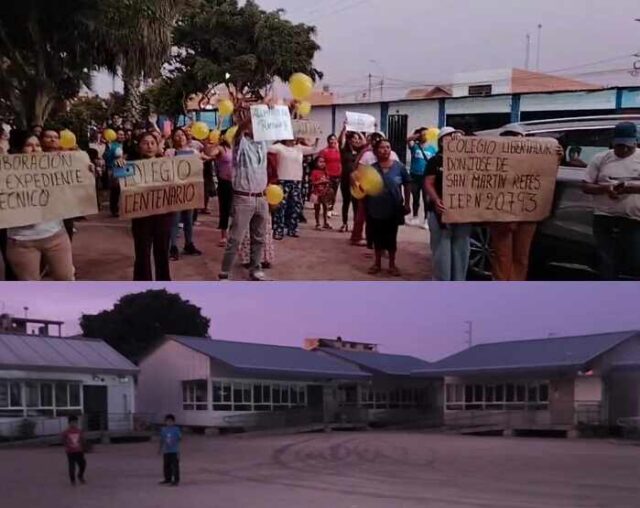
{"points": [[95, 407], [397, 134]]}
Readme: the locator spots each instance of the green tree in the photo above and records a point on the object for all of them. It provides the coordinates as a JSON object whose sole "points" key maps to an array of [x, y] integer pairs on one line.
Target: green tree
{"points": [[134, 40], [251, 46], [46, 55], [139, 321]]}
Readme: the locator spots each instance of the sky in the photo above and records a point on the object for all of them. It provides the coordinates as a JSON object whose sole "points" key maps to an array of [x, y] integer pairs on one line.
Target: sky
{"points": [[427, 320], [427, 41]]}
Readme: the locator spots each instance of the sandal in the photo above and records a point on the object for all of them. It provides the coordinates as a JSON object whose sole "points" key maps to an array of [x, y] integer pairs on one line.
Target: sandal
{"points": [[344, 228], [328, 227], [374, 270], [318, 227]]}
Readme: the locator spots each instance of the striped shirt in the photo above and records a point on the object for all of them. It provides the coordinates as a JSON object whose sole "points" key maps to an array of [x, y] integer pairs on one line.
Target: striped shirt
{"points": [[250, 174]]}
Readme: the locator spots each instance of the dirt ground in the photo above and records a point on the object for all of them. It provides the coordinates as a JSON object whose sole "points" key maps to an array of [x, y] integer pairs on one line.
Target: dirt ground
{"points": [[337, 470], [103, 251]]}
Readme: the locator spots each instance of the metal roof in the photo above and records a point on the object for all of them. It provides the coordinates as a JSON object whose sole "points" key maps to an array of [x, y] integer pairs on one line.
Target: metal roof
{"points": [[542, 354], [396, 365], [270, 359], [35, 352]]}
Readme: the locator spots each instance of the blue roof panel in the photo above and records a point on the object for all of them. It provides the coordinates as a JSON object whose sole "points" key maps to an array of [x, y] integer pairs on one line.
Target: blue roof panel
{"points": [[267, 358], [560, 352], [396, 365]]}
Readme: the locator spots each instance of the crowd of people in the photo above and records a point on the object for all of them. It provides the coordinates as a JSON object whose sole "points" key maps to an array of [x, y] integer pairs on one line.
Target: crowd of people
{"points": [[237, 171]]}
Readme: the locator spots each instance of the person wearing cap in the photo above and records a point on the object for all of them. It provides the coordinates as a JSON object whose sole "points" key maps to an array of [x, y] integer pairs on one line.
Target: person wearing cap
{"points": [[420, 155], [450, 244], [613, 179]]}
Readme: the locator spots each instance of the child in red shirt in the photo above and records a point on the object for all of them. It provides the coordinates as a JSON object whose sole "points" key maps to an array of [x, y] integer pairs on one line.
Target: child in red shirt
{"points": [[74, 445], [322, 194]]}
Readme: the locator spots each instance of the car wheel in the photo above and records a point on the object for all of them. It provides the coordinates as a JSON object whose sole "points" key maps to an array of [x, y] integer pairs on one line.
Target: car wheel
{"points": [[480, 256]]}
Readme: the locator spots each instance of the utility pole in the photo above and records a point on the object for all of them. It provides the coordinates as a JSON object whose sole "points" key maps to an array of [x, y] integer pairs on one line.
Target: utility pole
{"points": [[527, 58], [469, 333], [382, 89], [539, 46], [370, 87], [26, 312]]}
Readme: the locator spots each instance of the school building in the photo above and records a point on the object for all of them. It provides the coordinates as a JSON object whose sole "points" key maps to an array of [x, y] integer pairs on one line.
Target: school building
{"points": [[45, 377], [558, 383], [210, 383]]}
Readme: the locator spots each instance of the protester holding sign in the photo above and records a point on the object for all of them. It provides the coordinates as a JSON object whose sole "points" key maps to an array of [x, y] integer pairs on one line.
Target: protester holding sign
{"points": [[386, 211], [113, 158], [450, 244], [290, 172], [613, 178], [180, 147], [29, 245], [511, 241], [351, 144], [152, 232], [222, 155], [250, 209]]}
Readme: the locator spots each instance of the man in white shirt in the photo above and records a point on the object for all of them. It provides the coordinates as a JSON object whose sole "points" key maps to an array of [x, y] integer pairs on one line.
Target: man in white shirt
{"points": [[290, 172], [613, 178]]}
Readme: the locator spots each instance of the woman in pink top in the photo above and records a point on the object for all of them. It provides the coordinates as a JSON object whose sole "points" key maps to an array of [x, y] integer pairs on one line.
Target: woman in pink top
{"points": [[222, 154]]}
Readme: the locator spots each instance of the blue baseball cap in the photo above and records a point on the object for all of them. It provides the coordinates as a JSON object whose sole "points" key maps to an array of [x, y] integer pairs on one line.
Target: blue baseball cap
{"points": [[625, 133]]}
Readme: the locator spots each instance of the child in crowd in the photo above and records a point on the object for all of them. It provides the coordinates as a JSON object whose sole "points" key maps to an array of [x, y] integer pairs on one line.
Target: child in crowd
{"points": [[322, 194], [74, 446], [170, 437]]}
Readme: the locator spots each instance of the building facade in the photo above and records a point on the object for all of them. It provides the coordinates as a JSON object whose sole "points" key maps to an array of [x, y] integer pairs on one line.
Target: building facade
{"points": [[45, 379]]}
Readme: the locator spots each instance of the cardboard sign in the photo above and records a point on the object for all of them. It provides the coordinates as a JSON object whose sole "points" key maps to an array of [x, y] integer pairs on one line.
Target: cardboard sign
{"points": [[162, 185], [359, 122], [45, 186], [499, 179], [306, 129], [271, 124]]}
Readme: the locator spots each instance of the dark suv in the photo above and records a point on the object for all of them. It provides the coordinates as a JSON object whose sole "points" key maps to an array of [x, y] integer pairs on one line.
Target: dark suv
{"points": [[564, 245]]}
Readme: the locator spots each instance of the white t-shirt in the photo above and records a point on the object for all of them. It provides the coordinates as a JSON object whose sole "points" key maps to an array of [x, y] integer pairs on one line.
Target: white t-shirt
{"points": [[36, 231], [290, 160], [369, 159], [606, 168]]}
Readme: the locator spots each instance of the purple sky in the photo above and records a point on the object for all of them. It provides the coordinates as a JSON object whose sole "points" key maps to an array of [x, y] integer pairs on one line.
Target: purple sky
{"points": [[427, 41], [422, 319]]}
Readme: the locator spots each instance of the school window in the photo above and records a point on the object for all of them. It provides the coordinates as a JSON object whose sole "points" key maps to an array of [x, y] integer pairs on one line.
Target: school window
{"points": [[194, 396], [221, 396], [530, 395], [256, 396]]}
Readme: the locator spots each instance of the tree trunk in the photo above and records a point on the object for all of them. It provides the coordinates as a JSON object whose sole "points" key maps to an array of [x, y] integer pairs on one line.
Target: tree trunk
{"points": [[132, 98]]}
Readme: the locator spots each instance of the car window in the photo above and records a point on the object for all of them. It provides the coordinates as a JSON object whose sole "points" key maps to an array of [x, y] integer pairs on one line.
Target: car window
{"points": [[580, 145]]}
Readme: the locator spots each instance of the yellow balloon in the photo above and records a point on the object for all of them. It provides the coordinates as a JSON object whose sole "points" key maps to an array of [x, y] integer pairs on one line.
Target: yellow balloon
{"points": [[109, 135], [230, 135], [431, 135], [357, 192], [274, 194], [225, 107], [304, 108], [301, 86], [67, 139], [200, 130], [214, 137], [371, 181]]}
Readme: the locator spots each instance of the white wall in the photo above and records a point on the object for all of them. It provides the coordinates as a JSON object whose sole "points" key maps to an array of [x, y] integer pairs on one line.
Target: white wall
{"points": [[570, 101], [476, 105], [500, 79], [159, 389], [322, 115], [421, 113], [588, 389]]}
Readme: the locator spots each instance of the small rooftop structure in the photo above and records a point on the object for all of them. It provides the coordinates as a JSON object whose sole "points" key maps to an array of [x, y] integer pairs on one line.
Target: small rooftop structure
{"points": [[31, 326], [557, 354], [339, 343]]}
